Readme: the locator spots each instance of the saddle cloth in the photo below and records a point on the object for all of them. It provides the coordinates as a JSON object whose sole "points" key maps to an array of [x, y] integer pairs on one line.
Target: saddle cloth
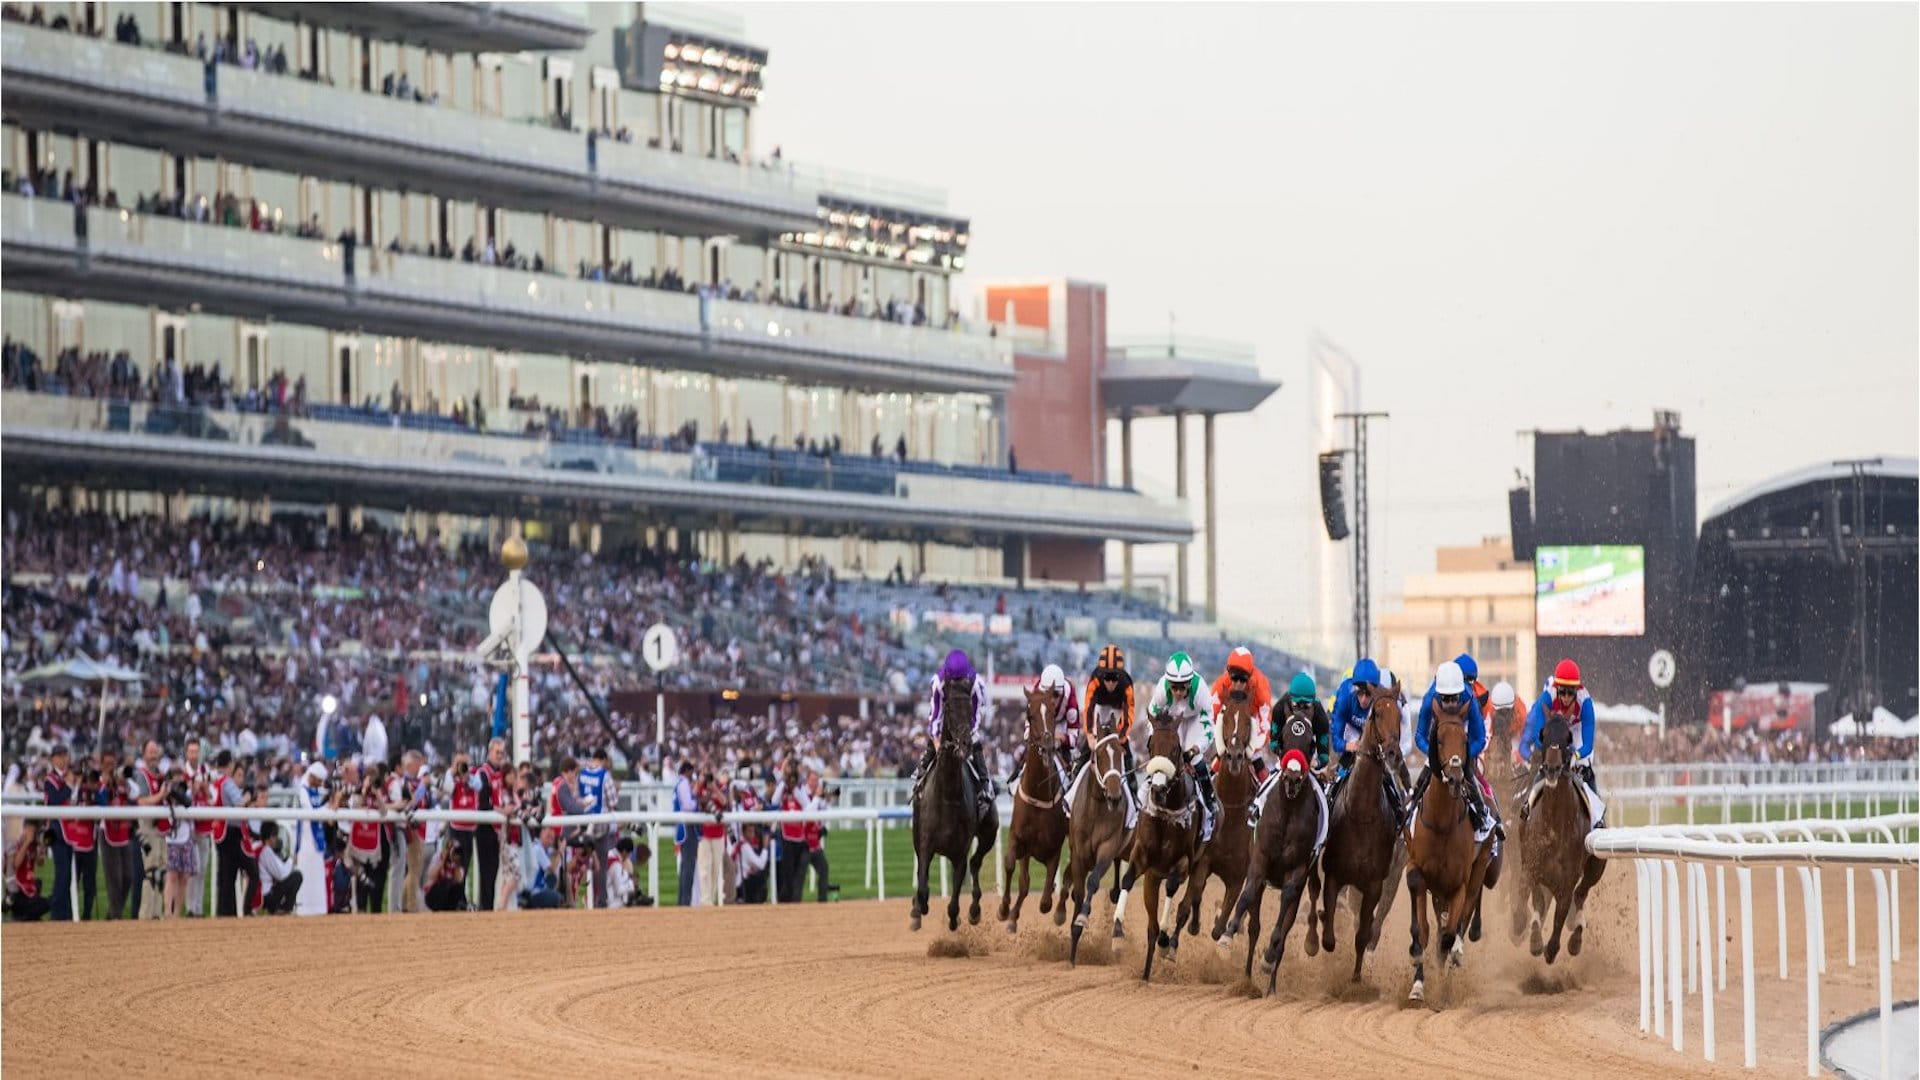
{"points": [[1589, 799]]}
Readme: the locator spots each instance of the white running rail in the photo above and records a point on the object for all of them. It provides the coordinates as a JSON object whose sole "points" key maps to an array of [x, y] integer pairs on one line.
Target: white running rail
{"points": [[1884, 846]]}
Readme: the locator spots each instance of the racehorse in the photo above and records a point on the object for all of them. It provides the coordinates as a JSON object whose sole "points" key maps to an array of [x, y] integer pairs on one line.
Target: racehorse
{"points": [[1099, 836], [1282, 851], [947, 817], [1554, 823], [1363, 832], [1039, 813], [1225, 856], [1443, 858], [1166, 844]]}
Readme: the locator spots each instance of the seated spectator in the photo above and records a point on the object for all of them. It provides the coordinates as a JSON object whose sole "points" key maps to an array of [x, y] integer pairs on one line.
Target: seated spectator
{"points": [[753, 855], [447, 880]]}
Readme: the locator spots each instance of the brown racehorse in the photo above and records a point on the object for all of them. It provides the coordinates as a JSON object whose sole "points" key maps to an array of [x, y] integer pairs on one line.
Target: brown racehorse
{"points": [[1364, 831], [1553, 845], [1443, 859], [1225, 856], [1039, 813], [1098, 836], [1166, 845], [1281, 854]]}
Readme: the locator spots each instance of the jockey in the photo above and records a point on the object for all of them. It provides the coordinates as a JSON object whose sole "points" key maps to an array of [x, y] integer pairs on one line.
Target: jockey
{"points": [[958, 669], [1243, 672], [1351, 704], [1111, 686], [1567, 696], [1449, 692], [1470, 670], [1182, 695], [1504, 715], [1303, 700], [1066, 717]]}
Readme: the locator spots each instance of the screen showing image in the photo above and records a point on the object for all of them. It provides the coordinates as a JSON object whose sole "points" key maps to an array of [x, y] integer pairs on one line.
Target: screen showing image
{"points": [[1590, 591]]}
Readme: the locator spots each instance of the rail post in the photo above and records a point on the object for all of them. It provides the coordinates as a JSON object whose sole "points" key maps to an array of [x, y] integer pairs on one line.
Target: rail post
{"points": [[1744, 877]]}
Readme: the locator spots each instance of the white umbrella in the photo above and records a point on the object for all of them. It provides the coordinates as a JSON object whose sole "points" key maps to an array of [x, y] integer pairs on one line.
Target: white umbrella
{"points": [[83, 672]]}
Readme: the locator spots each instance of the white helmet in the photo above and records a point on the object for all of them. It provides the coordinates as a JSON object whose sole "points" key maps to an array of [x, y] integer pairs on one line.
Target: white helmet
{"points": [[1052, 678], [1502, 697], [1449, 679], [1179, 668]]}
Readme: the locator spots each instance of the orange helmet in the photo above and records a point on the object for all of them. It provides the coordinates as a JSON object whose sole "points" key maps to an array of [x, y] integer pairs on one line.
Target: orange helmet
{"points": [[1241, 659], [1567, 673], [1112, 659]]}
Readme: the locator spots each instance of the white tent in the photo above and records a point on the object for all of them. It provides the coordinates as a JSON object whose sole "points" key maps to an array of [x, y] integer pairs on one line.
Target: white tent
{"points": [[83, 672], [1887, 725], [1846, 727]]}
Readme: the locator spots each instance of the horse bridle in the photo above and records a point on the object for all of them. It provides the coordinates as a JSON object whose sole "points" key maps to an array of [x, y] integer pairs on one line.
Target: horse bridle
{"points": [[1038, 748], [1454, 785], [1099, 774]]}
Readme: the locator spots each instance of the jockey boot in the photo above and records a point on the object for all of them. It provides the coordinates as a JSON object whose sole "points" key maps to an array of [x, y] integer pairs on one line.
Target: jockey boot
{"points": [[977, 761], [1585, 770], [1203, 779], [1419, 789], [1019, 763], [926, 762]]}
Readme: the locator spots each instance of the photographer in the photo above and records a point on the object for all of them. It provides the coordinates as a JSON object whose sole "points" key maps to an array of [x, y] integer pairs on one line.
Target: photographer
{"points": [[118, 855], [816, 842], [457, 792], [410, 791], [227, 839], [714, 796], [490, 784], [278, 877], [447, 879], [790, 796], [149, 789], [183, 855], [366, 848], [753, 857], [72, 841], [23, 888]]}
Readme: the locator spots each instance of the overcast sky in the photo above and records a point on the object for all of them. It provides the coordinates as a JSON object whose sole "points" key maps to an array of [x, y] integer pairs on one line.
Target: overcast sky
{"points": [[1512, 216]]}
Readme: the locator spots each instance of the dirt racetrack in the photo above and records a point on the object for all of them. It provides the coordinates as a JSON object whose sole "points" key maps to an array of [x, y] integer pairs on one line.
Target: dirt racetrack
{"points": [[846, 988]]}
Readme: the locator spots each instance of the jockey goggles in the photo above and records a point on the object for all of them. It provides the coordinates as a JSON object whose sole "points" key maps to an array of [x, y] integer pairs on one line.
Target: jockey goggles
{"points": [[1566, 693], [1449, 701]]}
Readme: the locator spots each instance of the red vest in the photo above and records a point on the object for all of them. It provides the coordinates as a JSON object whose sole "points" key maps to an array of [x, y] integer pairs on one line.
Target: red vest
{"points": [[815, 833], [792, 831], [365, 836], [203, 796], [119, 833], [78, 834], [464, 798], [23, 876]]}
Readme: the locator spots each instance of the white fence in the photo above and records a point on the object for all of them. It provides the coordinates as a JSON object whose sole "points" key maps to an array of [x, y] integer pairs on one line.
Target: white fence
{"points": [[1716, 774], [1884, 846]]}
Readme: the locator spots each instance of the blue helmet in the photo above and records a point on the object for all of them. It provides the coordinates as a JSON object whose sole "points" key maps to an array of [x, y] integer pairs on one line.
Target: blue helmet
{"points": [[1366, 671], [1468, 669]]}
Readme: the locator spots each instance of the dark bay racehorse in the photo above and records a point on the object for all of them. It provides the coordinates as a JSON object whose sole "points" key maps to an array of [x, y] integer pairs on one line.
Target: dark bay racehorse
{"points": [[1225, 856], [1364, 831], [1444, 861], [1099, 837], [1039, 813], [1166, 844], [1281, 854], [947, 812], [1555, 866]]}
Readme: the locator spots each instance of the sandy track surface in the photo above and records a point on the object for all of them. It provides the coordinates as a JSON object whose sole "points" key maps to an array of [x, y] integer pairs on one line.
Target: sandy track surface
{"points": [[846, 988]]}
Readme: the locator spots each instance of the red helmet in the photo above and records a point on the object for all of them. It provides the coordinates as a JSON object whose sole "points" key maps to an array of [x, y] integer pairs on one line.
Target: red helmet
{"points": [[1567, 673]]}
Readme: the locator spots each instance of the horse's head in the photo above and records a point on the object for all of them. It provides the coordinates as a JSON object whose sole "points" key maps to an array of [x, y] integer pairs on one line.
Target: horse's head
{"points": [[1556, 748], [956, 714], [1382, 735], [1296, 752], [1042, 710], [1448, 744], [1163, 737], [1109, 753], [1236, 731]]}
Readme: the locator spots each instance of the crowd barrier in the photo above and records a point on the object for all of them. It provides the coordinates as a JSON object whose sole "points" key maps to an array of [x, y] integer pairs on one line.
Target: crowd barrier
{"points": [[1883, 845]]}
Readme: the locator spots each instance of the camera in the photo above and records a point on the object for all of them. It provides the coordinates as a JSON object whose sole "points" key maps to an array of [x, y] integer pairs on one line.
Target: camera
{"points": [[177, 793]]}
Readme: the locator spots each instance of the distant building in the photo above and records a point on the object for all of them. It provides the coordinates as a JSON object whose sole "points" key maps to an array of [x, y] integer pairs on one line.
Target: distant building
{"points": [[1480, 601]]}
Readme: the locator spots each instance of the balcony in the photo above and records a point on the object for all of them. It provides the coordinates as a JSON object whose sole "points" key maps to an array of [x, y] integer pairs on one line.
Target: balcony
{"points": [[1162, 375], [144, 97], [147, 259], [383, 460], [449, 27]]}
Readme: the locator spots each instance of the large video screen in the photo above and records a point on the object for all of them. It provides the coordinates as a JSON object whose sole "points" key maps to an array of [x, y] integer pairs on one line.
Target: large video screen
{"points": [[1590, 590]]}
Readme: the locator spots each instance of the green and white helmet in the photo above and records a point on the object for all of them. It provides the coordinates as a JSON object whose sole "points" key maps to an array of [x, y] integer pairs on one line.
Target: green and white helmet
{"points": [[1180, 670]]}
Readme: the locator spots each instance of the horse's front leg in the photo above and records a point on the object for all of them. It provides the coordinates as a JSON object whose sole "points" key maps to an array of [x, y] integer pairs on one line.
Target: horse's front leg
{"points": [[1417, 947]]}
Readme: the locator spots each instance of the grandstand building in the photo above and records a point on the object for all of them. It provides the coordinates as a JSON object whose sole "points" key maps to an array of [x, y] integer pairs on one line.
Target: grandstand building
{"points": [[484, 266]]}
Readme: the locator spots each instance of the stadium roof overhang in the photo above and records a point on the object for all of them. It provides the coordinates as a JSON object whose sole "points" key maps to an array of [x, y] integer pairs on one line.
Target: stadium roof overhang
{"points": [[366, 139], [447, 26], [137, 275], [207, 466], [1137, 383]]}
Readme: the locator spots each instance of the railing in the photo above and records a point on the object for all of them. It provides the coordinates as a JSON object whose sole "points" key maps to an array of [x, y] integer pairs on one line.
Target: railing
{"points": [[1660, 853], [1714, 773], [1148, 347], [1795, 798]]}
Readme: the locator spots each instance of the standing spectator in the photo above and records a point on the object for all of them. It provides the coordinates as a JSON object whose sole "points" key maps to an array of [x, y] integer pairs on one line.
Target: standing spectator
{"points": [[373, 741], [410, 792], [460, 795], [279, 879], [200, 780], [713, 841], [310, 843], [816, 846], [72, 846], [447, 884], [792, 797], [685, 837], [183, 862], [235, 863], [23, 888], [598, 790], [753, 858], [489, 783], [118, 855], [149, 789], [366, 851]]}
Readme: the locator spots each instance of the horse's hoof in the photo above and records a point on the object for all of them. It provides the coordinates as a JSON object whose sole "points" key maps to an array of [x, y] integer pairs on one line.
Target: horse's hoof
{"points": [[1079, 924], [973, 915], [1046, 904], [1573, 943], [1534, 944], [1419, 991], [1013, 927], [1552, 953], [1313, 945], [1162, 939]]}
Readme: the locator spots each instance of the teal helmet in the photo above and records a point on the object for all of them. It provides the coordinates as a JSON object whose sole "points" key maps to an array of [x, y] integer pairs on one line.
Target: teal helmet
{"points": [[1303, 688]]}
